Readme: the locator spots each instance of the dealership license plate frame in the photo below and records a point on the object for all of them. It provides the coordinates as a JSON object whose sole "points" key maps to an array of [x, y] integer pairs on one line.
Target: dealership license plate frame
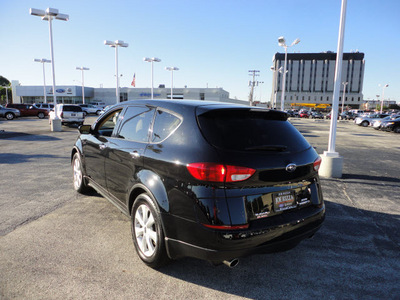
{"points": [[284, 200]]}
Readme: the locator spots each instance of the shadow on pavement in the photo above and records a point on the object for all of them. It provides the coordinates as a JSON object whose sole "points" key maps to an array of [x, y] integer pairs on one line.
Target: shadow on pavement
{"points": [[13, 158], [353, 256], [371, 178], [22, 136]]}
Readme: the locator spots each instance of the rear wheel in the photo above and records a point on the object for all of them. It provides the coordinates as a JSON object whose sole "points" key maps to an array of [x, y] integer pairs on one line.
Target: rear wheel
{"points": [[40, 115], [98, 112], [9, 116], [364, 123], [147, 232], [77, 172]]}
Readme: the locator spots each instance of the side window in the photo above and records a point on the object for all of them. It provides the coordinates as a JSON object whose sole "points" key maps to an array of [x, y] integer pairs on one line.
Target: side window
{"points": [[164, 125], [107, 125], [136, 124]]}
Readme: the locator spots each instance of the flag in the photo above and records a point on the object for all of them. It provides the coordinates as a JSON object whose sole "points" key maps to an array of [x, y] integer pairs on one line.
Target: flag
{"points": [[134, 80]]}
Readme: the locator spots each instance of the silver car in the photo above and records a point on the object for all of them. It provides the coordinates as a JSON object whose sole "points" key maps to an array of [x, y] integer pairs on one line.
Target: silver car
{"points": [[366, 120], [9, 113]]}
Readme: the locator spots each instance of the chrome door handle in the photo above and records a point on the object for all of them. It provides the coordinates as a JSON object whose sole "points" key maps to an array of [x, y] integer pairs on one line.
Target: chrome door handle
{"points": [[134, 154], [102, 146]]}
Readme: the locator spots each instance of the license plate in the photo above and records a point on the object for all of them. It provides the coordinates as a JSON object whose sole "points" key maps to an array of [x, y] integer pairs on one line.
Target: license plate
{"points": [[284, 201], [73, 115]]}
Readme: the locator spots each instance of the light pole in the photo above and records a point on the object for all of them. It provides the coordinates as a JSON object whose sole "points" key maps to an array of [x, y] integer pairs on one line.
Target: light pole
{"points": [[83, 82], [344, 93], [172, 69], [273, 69], [282, 43], [116, 44], [332, 162], [48, 15], [151, 60], [383, 95], [43, 61]]}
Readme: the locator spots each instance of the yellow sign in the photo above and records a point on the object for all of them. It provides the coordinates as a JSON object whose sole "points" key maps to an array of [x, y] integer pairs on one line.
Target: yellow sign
{"points": [[313, 105]]}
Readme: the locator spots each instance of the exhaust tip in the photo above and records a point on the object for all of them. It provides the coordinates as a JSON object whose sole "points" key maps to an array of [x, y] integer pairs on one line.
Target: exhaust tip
{"points": [[231, 263]]}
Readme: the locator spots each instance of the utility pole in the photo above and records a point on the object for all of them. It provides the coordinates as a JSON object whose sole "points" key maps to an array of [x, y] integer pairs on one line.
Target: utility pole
{"points": [[252, 84]]}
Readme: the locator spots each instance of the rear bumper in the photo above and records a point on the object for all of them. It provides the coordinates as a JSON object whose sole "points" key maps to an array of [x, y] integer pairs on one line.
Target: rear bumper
{"points": [[220, 245]]}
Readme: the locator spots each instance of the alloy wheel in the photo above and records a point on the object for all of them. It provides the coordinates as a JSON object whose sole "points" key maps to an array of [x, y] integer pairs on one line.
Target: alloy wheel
{"points": [[145, 230]]}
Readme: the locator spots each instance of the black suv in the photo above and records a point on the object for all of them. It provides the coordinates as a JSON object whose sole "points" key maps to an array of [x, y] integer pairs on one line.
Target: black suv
{"points": [[202, 179]]}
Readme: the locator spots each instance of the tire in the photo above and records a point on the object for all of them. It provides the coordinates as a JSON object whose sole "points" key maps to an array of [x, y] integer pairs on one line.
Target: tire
{"points": [[40, 115], [147, 232], [79, 181], [364, 123], [98, 112], [396, 129], [9, 116]]}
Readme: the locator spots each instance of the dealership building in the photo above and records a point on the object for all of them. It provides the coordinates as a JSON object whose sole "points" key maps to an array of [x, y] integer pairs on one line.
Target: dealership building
{"points": [[310, 79], [72, 94]]}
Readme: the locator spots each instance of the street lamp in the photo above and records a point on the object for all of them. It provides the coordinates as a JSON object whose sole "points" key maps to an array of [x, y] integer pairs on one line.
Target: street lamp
{"points": [[151, 60], [48, 15], [344, 92], [116, 44], [172, 69], [43, 61], [83, 82], [383, 95], [282, 43]]}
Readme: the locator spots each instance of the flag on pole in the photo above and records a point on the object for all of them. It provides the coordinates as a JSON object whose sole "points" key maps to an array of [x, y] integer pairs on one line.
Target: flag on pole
{"points": [[134, 80]]}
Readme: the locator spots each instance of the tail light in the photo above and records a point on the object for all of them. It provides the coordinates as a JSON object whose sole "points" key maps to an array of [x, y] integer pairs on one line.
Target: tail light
{"points": [[317, 164], [62, 114], [219, 172]]}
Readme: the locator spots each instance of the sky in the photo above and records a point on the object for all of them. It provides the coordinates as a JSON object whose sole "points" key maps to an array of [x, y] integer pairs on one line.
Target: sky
{"points": [[214, 43]]}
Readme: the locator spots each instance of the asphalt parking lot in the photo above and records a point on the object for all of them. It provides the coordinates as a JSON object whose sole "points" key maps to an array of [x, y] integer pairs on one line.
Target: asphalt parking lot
{"points": [[56, 244]]}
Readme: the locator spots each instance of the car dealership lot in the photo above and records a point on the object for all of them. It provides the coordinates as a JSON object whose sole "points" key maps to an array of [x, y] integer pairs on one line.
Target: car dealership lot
{"points": [[57, 244]]}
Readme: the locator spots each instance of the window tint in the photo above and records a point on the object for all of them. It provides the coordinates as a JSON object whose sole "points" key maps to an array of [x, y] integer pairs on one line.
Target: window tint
{"points": [[72, 108], [247, 130], [136, 124], [164, 125], [107, 125]]}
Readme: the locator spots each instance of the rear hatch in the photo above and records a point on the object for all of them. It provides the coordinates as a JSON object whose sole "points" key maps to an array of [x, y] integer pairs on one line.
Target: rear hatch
{"points": [[284, 164], [73, 112]]}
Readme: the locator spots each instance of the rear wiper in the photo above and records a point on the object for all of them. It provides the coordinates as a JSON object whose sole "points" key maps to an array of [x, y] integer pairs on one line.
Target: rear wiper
{"points": [[278, 148]]}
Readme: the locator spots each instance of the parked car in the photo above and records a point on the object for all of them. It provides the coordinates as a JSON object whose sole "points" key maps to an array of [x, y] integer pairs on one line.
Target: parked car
{"points": [[346, 115], [9, 113], [317, 115], [69, 114], [391, 125], [366, 120], [28, 110], [99, 104], [202, 179], [47, 106], [91, 109], [304, 114]]}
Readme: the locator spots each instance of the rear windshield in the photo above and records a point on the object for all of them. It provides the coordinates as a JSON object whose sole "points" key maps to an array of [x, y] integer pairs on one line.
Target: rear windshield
{"points": [[247, 130], [72, 108]]}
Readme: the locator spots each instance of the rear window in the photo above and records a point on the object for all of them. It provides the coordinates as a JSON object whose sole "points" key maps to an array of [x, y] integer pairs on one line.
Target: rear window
{"points": [[72, 108], [249, 130]]}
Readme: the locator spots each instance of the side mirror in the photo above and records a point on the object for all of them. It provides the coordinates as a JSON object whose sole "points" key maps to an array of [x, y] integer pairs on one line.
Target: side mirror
{"points": [[85, 129]]}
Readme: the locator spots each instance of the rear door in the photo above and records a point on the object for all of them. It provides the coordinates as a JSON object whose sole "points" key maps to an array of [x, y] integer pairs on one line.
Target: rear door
{"points": [[125, 150]]}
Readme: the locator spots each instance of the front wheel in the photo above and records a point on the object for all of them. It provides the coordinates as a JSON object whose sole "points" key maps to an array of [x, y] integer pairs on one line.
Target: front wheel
{"points": [[40, 115], [98, 112], [77, 174], [9, 116], [396, 129], [364, 123], [147, 232]]}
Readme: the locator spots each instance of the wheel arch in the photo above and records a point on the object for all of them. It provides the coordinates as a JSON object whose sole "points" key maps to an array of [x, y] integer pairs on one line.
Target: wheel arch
{"points": [[150, 183]]}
